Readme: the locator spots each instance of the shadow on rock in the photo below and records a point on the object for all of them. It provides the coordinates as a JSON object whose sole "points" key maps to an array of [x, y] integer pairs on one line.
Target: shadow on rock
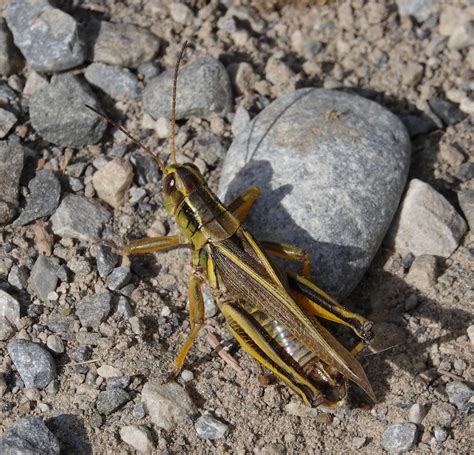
{"points": [[71, 433]]}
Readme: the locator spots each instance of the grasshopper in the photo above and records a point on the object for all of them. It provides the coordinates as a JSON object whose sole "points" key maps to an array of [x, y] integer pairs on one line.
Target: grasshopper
{"points": [[273, 314]]}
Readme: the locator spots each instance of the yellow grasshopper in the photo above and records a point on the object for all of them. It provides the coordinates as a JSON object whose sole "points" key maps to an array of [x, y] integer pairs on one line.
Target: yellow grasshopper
{"points": [[274, 315]]}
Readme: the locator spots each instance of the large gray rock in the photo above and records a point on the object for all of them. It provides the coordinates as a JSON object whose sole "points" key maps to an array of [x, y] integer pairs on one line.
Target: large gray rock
{"points": [[121, 44], [47, 36], [29, 436], [203, 87], [79, 218], [34, 363], [332, 168], [11, 165], [59, 114]]}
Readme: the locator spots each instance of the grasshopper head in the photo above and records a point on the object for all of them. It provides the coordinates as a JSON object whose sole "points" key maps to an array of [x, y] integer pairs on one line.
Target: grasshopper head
{"points": [[180, 180]]}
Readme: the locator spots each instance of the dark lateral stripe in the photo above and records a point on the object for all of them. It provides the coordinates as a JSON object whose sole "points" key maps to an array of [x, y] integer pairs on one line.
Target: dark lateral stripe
{"points": [[318, 299]]}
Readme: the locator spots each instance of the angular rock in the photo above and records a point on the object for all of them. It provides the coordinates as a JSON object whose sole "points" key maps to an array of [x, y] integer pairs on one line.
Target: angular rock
{"points": [[45, 192], [138, 437], [119, 277], [11, 165], [121, 44], [59, 114], [43, 278], [400, 437], [181, 13], [106, 259], [208, 427], [448, 112], [146, 169], [55, 344], [459, 393], [10, 57], [203, 87], [167, 404], [466, 171], [423, 272], [112, 80], [456, 23], [416, 413], [9, 315], [419, 9], [34, 83], [18, 277], [80, 218], [46, 36], [111, 400], [426, 223], [7, 121], [34, 363], [94, 309], [332, 167], [112, 181], [124, 308], [466, 201], [29, 436]]}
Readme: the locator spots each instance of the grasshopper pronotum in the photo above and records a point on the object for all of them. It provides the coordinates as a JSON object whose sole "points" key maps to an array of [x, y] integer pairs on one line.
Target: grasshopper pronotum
{"points": [[274, 315]]}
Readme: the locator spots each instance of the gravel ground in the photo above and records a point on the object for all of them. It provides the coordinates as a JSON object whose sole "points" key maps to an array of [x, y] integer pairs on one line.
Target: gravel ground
{"points": [[88, 338]]}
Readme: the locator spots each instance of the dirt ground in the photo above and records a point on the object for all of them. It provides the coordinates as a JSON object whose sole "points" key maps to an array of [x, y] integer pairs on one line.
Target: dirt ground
{"points": [[362, 44]]}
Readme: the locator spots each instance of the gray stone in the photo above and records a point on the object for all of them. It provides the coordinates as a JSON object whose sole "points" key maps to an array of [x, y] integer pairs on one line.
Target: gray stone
{"points": [[111, 400], [46, 36], [29, 436], [18, 277], [121, 44], [203, 87], [146, 169], [419, 9], [447, 111], [124, 308], [7, 121], [59, 114], [55, 344], [138, 411], [94, 309], [9, 315], [43, 278], [81, 353], [11, 165], [426, 223], [113, 80], [208, 427], [240, 121], [440, 434], [33, 362], [106, 259], [119, 277], [400, 437], [80, 218], [466, 171], [332, 168], [416, 413], [210, 148], [181, 13], [138, 437], [45, 192], [423, 273], [459, 393], [88, 338], [167, 404], [466, 201], [10, 57]]}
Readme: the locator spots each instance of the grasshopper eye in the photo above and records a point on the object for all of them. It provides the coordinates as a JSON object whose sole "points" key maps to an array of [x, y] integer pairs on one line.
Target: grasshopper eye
{"points": [[169, 184]]}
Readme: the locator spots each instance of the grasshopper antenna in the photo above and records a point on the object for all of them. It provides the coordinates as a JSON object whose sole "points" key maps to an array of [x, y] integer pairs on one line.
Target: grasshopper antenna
{"points": [[132, 138], [173, 103]]}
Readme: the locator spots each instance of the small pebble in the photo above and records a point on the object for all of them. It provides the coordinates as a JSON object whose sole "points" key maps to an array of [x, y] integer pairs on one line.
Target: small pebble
{"points": [[108, 371], [162, 127], [208, 427], [138, 411], [440, 434], [11, 166], [416, 413], [7, 121], [459, 393], [111, 400], [94, 309], [167, 404], [119, 277], [9, 315], [181, 13], [112, 181], [137, 325], [55, 344], [447, 111], [43, 278], [466, 202], [124, 308], [187, 375], [470, 333], [423, 273], [138, 437], [34, 363], [81, 353], [18, 277], [106, 259], [115, 81], [400, 437]]}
